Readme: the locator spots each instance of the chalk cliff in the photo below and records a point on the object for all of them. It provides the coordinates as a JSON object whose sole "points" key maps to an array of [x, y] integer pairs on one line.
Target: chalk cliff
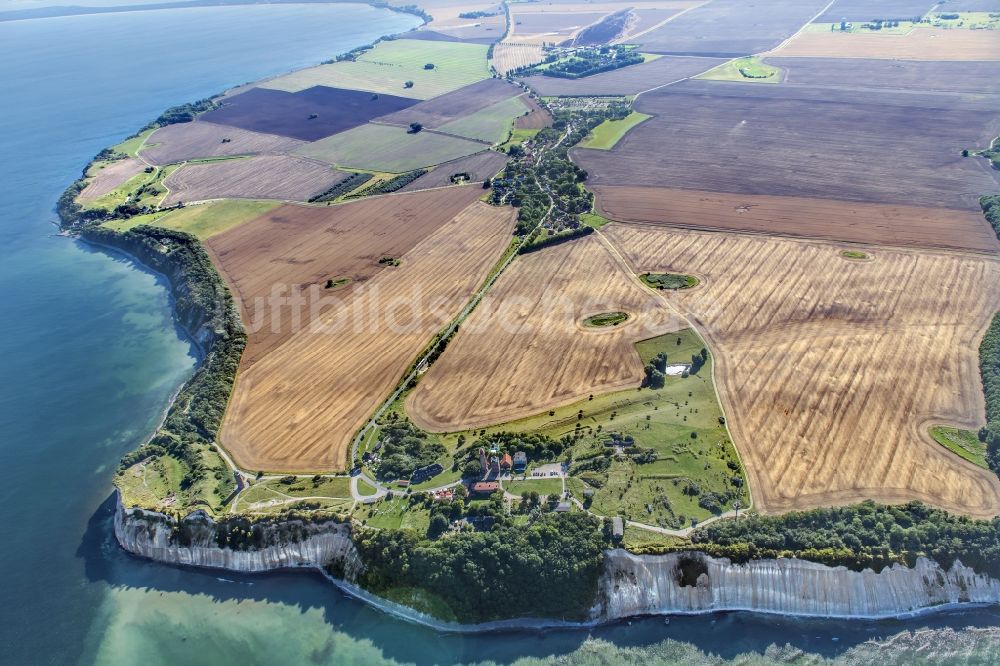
{"points": [[694, 582], [193, 541]]}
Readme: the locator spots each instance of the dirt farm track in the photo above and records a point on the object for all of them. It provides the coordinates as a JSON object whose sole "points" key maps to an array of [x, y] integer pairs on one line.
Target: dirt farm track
{"points": [[830, 369]]}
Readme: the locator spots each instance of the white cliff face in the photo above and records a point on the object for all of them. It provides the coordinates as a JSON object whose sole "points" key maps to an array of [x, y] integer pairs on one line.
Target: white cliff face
{"points": [[148, 534], [694, 583]]}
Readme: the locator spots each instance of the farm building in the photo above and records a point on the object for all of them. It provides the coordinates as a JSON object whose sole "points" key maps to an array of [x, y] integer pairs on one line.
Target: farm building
{"points": [[485, 487]]}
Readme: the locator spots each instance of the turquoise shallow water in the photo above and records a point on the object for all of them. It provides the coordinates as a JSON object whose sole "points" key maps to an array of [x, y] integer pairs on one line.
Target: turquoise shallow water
{"points": [[90, 357]]}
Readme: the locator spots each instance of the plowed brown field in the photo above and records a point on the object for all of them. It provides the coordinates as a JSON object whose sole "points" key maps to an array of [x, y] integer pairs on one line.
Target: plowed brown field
{"points": [[795, 216], [918, 44], [299, 407], [304, 246], [538, 118], [524, 349], [830, 369]]}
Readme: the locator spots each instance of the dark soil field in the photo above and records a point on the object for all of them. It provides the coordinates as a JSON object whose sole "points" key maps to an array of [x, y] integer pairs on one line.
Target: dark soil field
{"points": [[866, 10], [875, 147], [731, 28], [288, 114], [188, 141], [625, 81], [299, 246], [454, 105], [878, 224], [946, 76], [479, 167], [537, 119], [281, 177]]}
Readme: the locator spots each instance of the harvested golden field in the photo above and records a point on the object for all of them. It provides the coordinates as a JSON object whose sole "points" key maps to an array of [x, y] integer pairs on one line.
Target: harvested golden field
{"points": [[282, 177], [110, 177], [881, 224], [525, 349], [298, 408], [918, 44], [301, 247], [831, 369], [508, 56]]}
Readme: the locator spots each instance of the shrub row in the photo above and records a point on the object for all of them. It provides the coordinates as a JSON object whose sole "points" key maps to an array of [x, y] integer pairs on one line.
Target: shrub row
{"points": [[353, 181]]}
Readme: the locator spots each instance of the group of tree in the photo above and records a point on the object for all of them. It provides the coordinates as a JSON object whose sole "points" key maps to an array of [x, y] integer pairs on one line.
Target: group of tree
{"points": [[859, 536], [547, 568], [404, 449], [587, 62]]}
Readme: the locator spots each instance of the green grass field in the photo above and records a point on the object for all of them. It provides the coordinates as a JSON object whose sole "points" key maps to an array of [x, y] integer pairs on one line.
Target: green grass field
{"points": [[749, 70], [157, 482], [491, 124], [395, 513], [853, 254], [963, 442], [131, 145], [610, 132], [388, 148], [544, 486], [387, 67], [365, 489], [662, 420], [202, 220]]}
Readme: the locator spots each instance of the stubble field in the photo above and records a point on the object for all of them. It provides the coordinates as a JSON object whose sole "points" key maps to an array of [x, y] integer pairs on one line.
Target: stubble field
{"points": [[525, 349], [304, 246], [298, 408], [830, 370], [110, 177], [199, 139], [918, 44], [265, 177]]}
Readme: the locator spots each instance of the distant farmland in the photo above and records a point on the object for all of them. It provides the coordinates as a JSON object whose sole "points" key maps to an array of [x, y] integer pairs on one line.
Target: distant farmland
{"points": [[199, 139], [918, 44], [387, 67], [730, 28], [509, 56], [525, 349], [948, 76], [389, 148], [806, 142], [454, 105], [299, 407], [491, 124], [308, 115], [479, 167], [300, 246], [263, 177], [830, 370], [625, 81], [856, 222]]}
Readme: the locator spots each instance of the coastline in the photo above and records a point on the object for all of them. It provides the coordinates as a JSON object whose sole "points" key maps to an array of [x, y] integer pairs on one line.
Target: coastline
{"points": [[404, 612], [134, 535]]}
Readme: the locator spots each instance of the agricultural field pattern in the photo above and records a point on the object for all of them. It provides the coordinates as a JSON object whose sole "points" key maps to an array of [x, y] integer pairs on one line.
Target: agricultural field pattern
{"points": [[585, 232]]}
